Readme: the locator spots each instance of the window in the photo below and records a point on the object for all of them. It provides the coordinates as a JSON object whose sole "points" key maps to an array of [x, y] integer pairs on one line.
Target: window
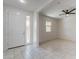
{"points": [[48, 26]]}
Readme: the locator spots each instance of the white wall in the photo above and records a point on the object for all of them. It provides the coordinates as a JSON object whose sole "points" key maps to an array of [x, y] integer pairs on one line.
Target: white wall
{"points": [[15, 26], [43, 35], [36, 29], [67, 28]]}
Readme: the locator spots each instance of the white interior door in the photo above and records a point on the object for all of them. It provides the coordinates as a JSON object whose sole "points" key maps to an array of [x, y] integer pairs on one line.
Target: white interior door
{"points": [[16, 29]]}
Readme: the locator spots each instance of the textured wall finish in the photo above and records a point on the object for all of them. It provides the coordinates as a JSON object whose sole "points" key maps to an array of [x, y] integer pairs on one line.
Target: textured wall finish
{"points": [[43, 35], [63, 28], [67, 28]]}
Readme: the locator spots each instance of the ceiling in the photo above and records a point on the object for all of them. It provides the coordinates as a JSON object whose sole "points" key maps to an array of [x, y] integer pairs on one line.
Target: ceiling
{"points": [[30, 5], [55, 7], [50, 8]]}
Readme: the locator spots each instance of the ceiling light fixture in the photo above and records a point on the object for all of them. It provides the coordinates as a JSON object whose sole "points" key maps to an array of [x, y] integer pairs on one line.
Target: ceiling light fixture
{"points": [[67, 14], [22, 1]]}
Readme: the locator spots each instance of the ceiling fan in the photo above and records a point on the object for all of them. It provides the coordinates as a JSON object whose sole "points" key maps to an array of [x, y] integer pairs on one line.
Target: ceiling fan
{"points": [[68, 12]]}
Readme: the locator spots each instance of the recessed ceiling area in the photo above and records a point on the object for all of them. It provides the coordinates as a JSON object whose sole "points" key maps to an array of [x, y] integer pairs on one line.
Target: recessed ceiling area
{"points": [[30, 5], [55, 7]]}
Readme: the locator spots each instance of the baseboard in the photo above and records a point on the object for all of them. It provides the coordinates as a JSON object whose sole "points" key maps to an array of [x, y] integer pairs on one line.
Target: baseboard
{"points": [[16, 47], [46, 41], [68, 39], [19, 46], [55, 39]]}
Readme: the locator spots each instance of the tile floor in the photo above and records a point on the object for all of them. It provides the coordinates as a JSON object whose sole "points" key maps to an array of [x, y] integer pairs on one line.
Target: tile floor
{"points": [[55, 49], [62, 49]]}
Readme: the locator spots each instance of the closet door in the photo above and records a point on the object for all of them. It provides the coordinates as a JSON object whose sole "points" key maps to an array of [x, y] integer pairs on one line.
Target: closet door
{"points": [[17, 21]]}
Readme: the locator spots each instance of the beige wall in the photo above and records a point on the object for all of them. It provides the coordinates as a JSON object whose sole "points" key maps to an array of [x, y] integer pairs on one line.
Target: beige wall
{"points": [[67, 28], [43, 35], [63, 28]]}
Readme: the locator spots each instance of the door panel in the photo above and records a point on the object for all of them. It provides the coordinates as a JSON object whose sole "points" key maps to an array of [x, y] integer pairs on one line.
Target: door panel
{"points": [[16, 29]]}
